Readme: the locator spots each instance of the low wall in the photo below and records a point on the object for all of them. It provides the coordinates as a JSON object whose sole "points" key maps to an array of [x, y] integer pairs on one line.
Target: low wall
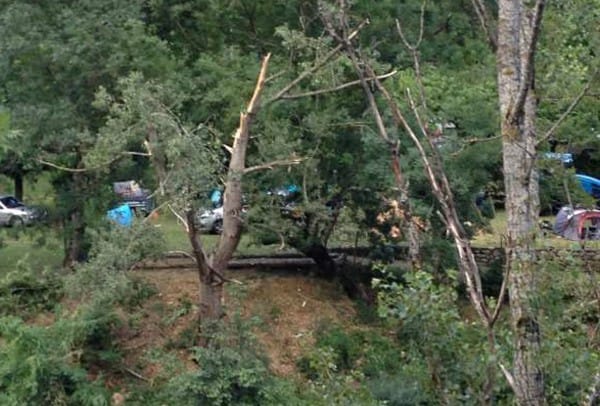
{"points": [[487, 256]]}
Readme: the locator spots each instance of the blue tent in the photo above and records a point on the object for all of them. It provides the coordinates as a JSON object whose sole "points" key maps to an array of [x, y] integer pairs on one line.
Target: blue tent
{"points": [[590, 185], [122, 215]]}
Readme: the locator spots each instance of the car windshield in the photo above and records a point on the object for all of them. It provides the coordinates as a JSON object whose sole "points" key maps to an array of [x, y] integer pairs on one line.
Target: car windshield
{"points": [[10, 202]]}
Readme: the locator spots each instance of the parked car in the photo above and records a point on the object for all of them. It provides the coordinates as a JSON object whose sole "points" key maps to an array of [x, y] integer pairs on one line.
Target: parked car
{"points": [[210, 220], [14, 213]]}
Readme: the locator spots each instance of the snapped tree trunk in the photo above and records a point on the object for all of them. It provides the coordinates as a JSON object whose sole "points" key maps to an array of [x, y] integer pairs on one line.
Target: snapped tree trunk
{"points": [[518, 24], [232, 199]]}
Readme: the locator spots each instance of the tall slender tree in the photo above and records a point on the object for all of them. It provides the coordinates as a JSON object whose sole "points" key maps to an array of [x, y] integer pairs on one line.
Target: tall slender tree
{"points": [[519, 25]]}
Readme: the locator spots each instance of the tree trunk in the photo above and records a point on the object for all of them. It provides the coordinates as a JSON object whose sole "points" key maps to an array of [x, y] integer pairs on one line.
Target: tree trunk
{"points": [[18, 183], [75, 234], [211, 281], [232, 199], [326, 266], [517, 31], [74, 223]]}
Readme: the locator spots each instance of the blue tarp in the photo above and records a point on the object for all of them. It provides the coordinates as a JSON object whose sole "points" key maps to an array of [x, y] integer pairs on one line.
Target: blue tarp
{"points": [[590, 185], [122, 215], [216, 197]]}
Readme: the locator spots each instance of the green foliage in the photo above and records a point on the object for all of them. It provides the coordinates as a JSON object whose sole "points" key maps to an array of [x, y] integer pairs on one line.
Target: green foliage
{"points": [[25, 291], [231, 371], [115, 250], [427, 314], [569, 323], [42, 365]]}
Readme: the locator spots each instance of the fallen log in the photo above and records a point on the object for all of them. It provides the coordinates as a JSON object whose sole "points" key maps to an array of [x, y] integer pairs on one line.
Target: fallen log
{"points": [[279, 262]]}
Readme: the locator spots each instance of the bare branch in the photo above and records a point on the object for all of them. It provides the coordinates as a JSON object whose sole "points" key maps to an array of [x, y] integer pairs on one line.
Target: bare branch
{"points": [[316, 66], [136, 374], [185, 223], [335, 89], [503, 291], [260, 83], [569, 109], [509, 377], [228, 148], [414, 50], [486, 23], [271, 165], [64, 168], [421, 26], [95, 168], [471, 141]]}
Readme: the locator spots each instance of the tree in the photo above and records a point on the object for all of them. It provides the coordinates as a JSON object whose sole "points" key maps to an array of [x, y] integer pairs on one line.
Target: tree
{"points": [[515, 43], [519, 24], [146, 112], [55, 56]]}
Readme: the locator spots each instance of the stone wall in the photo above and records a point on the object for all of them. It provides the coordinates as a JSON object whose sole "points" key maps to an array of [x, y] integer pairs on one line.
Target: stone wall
{"points": [[487, 256]]}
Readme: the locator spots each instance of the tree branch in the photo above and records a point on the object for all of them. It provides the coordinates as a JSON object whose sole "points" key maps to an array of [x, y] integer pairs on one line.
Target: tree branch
{"points": [[335, 89], [569, 109], [271, 165], [95, 168], [316, 66], [414, 50], [509, 377], [526, 78], [503, 291], [185, 223], [485, 21]]}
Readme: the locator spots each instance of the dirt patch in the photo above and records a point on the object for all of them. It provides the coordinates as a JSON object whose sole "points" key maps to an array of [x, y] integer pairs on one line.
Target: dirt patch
{"points": [[291, 305]]}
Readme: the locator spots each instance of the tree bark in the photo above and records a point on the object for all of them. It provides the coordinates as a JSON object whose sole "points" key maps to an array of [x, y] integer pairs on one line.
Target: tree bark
{"points": [[518, 24], [211, 282], [232, 200], [18, 183], [74, 249], [74, 221]]}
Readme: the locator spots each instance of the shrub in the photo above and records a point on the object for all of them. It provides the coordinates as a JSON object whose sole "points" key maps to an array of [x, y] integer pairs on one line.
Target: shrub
{"points": [[26, 292], [231, 370], [41, 366]]}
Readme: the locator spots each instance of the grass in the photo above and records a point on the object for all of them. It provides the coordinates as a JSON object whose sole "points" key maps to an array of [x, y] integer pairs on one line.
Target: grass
{"points": [[496, 236], [40, 249], [29, 247], [176, 238]]}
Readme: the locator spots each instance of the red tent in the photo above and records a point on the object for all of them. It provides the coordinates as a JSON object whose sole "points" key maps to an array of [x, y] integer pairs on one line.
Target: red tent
{"points": [[578, 225]]}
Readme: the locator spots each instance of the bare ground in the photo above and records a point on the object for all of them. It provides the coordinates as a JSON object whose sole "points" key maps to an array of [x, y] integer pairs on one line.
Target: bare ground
{"points": [[292, 305]]}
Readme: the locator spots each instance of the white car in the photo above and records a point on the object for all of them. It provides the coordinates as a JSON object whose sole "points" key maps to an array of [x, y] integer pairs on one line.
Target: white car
{"points": [[211, 220], [13, 213]]}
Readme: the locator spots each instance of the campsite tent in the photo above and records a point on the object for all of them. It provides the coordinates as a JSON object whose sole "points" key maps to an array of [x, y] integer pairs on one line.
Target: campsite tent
{"points": [[121, 215], [577, 225], [590, 185]]}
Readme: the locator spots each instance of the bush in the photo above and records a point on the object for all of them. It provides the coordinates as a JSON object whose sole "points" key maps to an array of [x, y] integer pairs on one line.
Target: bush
{"points": [[41, 366], [231, 370], [26, 292]]}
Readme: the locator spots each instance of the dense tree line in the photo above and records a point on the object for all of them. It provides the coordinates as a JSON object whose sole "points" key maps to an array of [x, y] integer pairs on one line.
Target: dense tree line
{"points": [[459, 96]]}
